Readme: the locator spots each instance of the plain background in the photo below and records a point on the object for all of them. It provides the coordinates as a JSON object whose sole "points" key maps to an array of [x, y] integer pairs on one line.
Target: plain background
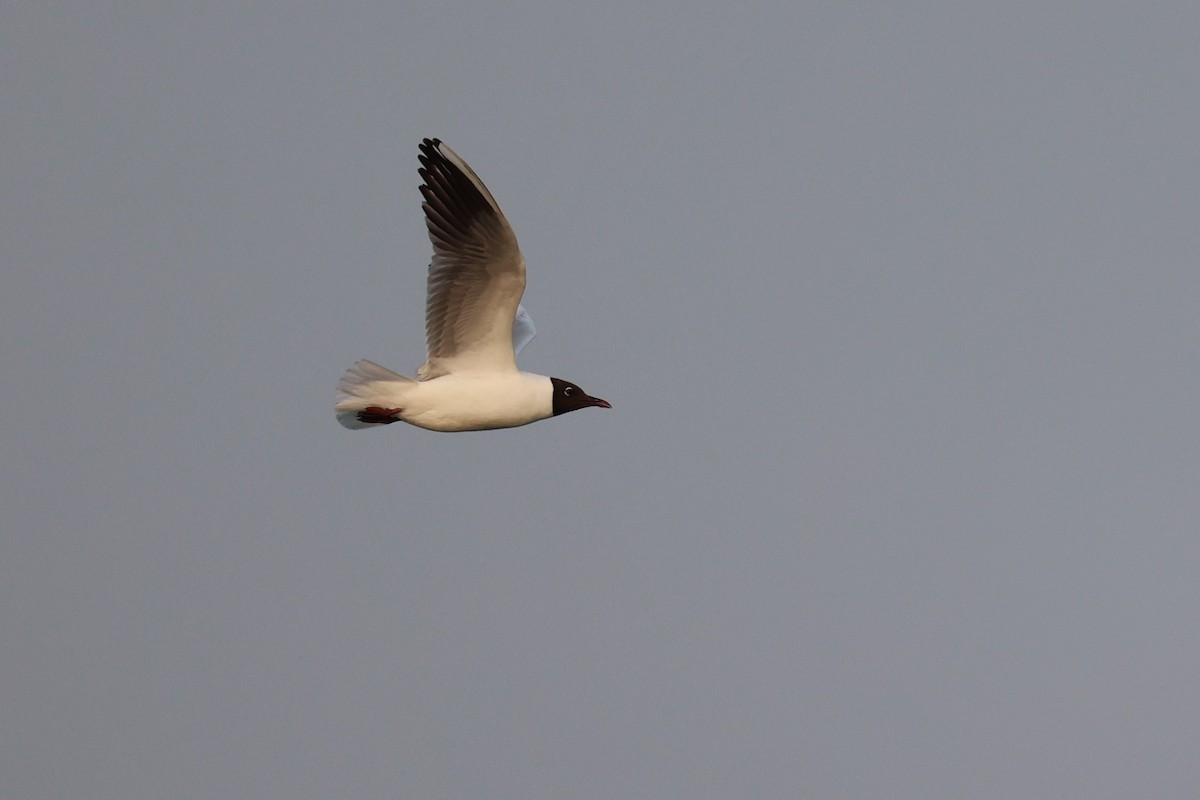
{"points": [[896, 305]]}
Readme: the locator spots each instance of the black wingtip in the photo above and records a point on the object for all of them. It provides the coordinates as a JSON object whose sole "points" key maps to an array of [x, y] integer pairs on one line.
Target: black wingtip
{"points": [[430, 155]]}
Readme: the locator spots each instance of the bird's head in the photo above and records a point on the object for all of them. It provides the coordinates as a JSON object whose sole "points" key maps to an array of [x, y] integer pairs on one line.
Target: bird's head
{"points": [[569, 397]]}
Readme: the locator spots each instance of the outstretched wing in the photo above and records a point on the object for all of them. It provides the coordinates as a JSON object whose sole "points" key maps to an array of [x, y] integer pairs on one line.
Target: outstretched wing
{"points": [[477, 275]]}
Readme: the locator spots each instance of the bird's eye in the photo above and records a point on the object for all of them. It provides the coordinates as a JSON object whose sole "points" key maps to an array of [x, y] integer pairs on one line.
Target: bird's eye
{"points": [[568, 391]]}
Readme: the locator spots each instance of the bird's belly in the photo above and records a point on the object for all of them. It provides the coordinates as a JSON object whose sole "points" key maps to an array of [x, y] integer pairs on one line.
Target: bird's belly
{"points": [[453, 403]]}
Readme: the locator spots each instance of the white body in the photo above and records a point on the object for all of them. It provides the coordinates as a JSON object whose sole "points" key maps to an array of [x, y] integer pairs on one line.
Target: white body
{"points": [[476, 401], [472, 401]]}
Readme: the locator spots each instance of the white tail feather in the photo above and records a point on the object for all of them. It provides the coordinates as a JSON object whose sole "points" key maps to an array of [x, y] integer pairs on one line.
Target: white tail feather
{"points": [[368, 384]]}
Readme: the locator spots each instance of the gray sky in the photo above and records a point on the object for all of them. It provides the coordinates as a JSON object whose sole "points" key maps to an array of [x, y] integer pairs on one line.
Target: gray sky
{"points": [[897, 307]]}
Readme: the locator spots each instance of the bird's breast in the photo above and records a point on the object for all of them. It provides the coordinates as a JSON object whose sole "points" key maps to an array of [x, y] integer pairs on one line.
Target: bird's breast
{"points": [[476, 402]]}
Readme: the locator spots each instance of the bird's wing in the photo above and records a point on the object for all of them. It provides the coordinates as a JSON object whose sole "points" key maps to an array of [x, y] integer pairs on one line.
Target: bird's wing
{"points": [[477, 275], [523, 330]]}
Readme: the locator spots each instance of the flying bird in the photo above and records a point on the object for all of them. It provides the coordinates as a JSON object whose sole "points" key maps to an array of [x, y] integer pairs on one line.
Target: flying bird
{"points": [[475, 324]]}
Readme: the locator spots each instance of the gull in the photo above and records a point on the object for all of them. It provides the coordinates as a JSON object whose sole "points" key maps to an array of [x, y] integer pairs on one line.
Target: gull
{"points": [[475, 324]]}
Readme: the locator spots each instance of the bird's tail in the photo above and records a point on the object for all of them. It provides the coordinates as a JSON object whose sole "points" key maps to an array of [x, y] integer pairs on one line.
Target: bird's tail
{"points": [[368, 393]]}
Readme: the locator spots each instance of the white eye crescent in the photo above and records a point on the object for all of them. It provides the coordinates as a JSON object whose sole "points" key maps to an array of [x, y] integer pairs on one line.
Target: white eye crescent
{"points": [[568, 391]]}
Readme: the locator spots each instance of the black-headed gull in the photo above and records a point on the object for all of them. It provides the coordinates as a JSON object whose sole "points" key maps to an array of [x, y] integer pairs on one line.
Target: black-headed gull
{"points": [[475, 324]]}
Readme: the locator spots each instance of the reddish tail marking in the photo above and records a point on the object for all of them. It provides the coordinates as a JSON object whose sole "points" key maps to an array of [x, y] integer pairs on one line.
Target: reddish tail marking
{"points": [[379, 416]]}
